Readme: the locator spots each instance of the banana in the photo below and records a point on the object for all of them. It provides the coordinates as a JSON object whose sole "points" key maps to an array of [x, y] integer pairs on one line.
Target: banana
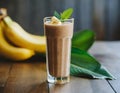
{"points": [[18, 36], [12, 52], [55, 20]]}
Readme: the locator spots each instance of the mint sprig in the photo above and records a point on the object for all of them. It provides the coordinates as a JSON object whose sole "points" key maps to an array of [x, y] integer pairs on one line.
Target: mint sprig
{"points": [[64, 15], [56, 14], [67, 13]]}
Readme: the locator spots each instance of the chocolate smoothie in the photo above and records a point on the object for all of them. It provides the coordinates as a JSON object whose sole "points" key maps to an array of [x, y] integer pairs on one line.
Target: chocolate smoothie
{"points": [[58, 48]]}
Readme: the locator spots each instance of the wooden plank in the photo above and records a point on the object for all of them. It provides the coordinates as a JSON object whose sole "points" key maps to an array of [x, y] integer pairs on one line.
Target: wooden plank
{"points": [[4, 72], [31, 78], [1, 89], [71, 4], [23, 14], [115, 65], [26, 77], [112, 18], [38, 12], [104, 13], [81, 85], [108, 54], [84, 14], [99, 18], [57, 5]]}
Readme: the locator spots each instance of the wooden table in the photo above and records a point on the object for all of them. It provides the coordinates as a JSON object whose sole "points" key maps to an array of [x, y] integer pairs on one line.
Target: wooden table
{"points": [[30, 76]]}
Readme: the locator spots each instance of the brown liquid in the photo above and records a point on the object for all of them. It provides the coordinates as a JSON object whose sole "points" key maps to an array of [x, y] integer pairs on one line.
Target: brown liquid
{"points": [[59, 48]]}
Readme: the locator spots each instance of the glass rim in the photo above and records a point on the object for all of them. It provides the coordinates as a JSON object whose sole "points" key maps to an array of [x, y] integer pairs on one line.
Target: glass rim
{"points": [[49, 17]]}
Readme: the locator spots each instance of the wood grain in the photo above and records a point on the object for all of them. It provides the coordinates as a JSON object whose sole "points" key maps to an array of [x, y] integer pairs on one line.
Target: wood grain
{"points": [[108, 53], [4, 72], [25, 77], [101, 15], [30, 76], [80, 85], [99, 18]]}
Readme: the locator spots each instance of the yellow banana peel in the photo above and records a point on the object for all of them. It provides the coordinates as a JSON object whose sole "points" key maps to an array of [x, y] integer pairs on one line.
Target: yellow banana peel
{"points": [[18, 36], [11, 52]]}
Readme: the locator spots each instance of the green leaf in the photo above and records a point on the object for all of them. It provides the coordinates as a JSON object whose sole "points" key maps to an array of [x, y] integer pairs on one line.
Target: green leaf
{"points": [[67, 13], [83, 64], [83, 39], [56, 14]]}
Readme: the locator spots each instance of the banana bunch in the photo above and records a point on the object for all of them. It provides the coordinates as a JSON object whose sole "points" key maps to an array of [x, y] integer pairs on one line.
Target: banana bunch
{"points": [[16, 43]]}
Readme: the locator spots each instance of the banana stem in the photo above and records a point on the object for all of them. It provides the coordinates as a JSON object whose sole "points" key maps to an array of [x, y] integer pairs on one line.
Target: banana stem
{"points": [[3, 13]]}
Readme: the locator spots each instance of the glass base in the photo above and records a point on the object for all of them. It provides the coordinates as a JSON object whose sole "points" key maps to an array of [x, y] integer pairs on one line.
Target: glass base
{"points": [[58, 80]]}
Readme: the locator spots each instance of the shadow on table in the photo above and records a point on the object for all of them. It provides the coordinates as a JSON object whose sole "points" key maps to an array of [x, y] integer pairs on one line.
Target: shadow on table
{"points": [[42, 88], [1, 89], [36, 58], [51, 88]]}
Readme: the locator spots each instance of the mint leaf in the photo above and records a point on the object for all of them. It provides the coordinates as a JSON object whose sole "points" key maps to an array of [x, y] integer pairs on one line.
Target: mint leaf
{"points": [[56, 14], [66, 14]]}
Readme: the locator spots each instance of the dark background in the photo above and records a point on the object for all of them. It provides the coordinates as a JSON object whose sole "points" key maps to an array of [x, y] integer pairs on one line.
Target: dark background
{"points": [[102, 16]]}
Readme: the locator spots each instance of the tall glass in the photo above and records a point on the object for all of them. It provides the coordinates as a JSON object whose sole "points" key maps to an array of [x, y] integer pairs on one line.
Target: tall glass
{"points": [[58, 38]]}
